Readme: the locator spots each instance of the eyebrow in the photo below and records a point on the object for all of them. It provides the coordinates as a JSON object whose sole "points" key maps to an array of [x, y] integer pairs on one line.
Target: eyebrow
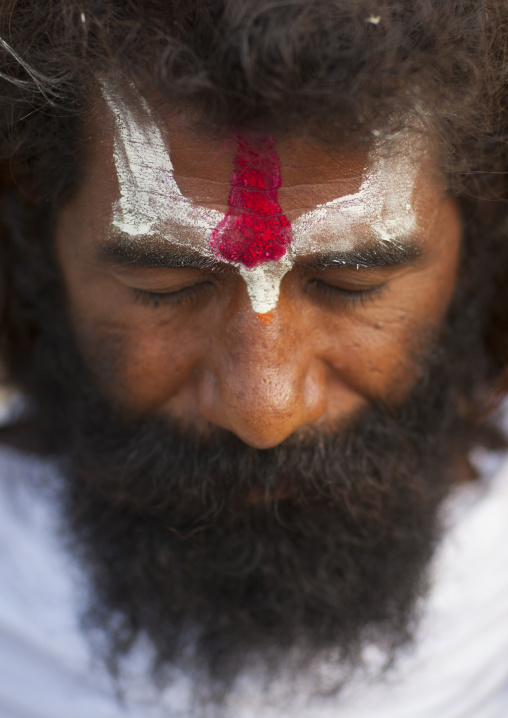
{"points": [[143, 255], [371, 256]]}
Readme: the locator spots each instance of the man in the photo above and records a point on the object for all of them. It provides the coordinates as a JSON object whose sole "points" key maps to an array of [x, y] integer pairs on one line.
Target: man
{"points": [[253, 270]]}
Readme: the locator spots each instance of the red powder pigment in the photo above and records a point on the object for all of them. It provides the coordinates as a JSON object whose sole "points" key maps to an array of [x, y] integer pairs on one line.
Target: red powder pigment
{"points": [[254, 229]]}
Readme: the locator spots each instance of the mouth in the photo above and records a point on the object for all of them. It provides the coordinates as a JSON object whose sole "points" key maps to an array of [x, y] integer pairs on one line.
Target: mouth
{"points": [[264, 495]]}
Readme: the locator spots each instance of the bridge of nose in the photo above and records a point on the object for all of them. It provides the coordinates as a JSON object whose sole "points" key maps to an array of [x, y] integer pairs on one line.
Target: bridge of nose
{"points": [[264, 383]]}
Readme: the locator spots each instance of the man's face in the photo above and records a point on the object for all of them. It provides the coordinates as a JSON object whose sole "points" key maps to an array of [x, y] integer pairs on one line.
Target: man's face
{"points": [[178, 328], [256, 449]]}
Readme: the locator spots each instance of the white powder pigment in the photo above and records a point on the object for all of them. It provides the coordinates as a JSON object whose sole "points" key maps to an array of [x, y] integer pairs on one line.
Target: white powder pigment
{"points": [[151, 203], [263, 283], [150, 200], [382, 208]]}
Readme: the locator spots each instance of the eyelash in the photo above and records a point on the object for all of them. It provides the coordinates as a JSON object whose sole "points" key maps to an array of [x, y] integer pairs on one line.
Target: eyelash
{"points": [[155, 299], [347, 297]]}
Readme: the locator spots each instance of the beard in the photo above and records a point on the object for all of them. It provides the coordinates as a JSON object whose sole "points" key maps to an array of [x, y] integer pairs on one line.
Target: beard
{"points": [[224, 556], [228, 555]]}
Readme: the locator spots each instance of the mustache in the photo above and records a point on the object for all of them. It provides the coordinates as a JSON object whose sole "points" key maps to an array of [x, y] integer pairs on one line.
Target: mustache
{"points": [[153, 466]]}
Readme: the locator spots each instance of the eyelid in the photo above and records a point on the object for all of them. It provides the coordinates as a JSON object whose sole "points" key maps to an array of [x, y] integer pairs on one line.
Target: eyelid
{"points": [[351, 278], [191, 293], [161, 281], [138, 270], [346, 298]]}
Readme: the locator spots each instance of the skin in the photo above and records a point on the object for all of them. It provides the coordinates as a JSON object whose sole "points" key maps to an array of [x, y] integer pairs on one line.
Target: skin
{"points": [[185, 342]]}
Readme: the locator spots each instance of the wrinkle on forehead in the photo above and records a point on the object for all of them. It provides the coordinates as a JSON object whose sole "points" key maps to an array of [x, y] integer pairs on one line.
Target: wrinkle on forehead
{"points": [[381, 209], [149, 195], [151, 203]]}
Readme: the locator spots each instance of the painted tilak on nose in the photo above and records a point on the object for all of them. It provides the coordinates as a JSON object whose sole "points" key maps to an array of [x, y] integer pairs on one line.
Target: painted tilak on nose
{"points": [[254, 230]]}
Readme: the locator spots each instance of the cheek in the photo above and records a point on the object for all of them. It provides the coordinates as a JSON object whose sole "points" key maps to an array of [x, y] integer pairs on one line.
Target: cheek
{"points": [[381, 348], [138, 356], [377, 359], [140, 364]]}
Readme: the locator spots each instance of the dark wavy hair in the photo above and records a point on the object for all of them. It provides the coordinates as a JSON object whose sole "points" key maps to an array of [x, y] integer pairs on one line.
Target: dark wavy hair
{"points": [[337, 70]]}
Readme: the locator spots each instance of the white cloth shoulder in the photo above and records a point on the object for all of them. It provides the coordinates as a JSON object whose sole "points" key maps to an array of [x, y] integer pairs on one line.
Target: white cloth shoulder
{"points": [[458, 669], [46, 667]]}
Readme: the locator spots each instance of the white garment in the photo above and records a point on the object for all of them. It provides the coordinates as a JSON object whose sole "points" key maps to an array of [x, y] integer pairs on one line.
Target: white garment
{"points": [[459, 668]]}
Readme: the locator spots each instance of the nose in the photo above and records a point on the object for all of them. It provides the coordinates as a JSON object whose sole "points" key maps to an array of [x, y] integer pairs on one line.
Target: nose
{"points": [[262, 383]]}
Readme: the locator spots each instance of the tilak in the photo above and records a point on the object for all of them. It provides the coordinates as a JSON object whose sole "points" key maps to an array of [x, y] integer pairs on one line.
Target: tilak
{"points": [[254, 235], [254, 229]]}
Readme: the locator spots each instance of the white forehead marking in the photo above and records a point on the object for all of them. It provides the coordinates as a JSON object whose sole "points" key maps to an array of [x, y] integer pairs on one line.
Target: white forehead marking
{"points": [[263, 283], [383, 203], [149, 195], [151, 202]]}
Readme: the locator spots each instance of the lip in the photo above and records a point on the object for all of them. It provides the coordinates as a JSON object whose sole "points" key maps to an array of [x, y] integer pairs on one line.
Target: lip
{"points": [[260, 495]]}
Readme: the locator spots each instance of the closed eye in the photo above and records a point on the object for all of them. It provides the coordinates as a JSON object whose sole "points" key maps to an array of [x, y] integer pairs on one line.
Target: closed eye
{"points": [[346, 297], [191, 295]]}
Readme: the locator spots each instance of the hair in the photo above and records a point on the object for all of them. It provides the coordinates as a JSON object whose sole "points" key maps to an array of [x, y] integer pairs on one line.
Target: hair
{"points": [[337, 70]]}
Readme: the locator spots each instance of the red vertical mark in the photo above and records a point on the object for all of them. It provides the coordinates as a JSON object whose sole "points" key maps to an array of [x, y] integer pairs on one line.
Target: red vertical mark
{"points": [[254, 229]]}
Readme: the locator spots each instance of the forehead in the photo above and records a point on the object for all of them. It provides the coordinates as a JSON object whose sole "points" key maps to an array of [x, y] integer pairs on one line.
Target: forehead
{"points": [[312, 172]]}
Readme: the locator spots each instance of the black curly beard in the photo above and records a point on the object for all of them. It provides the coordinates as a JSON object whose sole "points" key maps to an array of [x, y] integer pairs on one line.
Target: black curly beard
{"points": [[224, 554], [321, 543]]}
